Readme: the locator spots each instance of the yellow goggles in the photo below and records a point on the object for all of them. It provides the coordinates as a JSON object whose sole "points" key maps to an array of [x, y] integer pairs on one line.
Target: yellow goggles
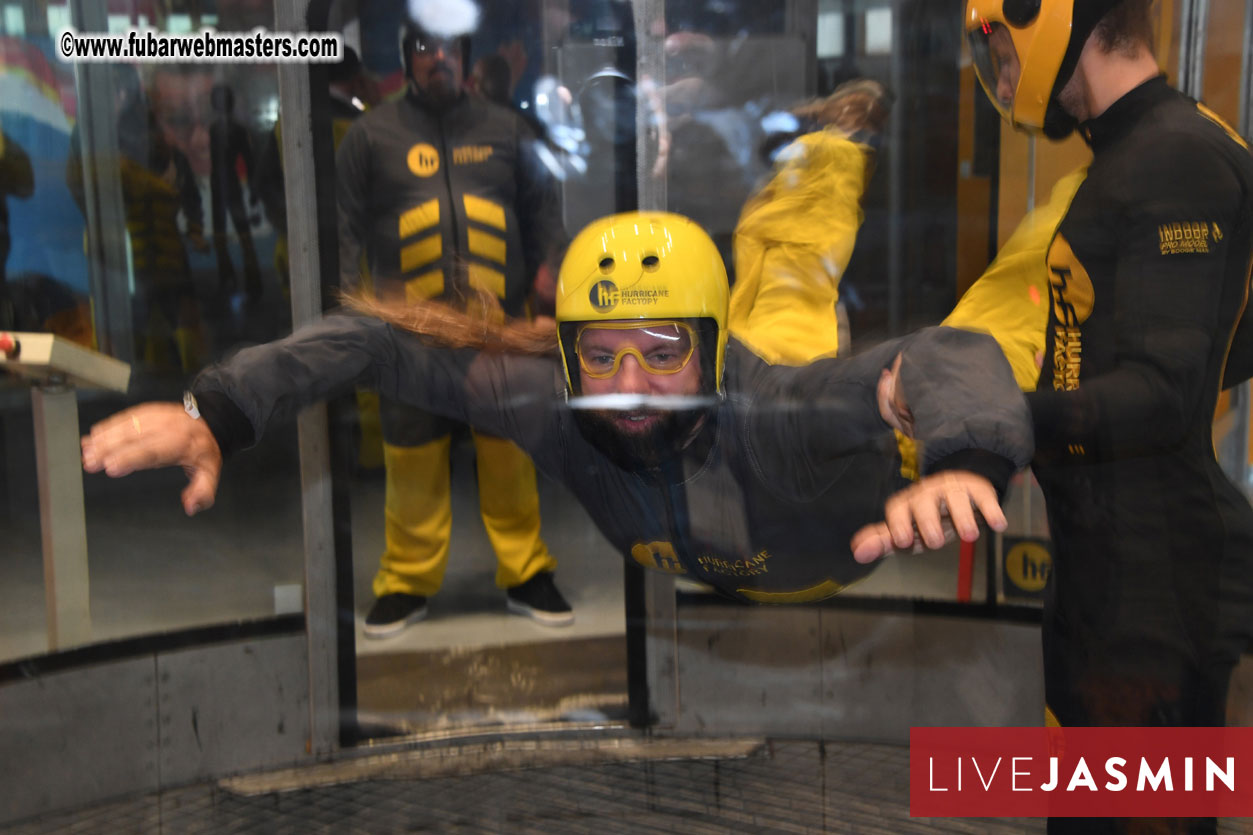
{"points": [[659, 347]]}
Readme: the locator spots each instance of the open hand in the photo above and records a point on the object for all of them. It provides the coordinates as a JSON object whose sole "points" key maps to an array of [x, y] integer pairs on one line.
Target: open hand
{"points": [[154, 435], [929, 514]]}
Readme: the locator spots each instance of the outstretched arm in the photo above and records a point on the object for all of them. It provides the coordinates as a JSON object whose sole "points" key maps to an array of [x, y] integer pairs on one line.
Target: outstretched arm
{"points": [[955, 394], [951, 390], [974, 430], [268, 383], [938, 508]]}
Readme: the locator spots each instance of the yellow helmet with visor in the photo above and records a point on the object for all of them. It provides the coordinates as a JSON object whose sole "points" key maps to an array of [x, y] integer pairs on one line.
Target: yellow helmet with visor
{"points": [[1024, 53]]}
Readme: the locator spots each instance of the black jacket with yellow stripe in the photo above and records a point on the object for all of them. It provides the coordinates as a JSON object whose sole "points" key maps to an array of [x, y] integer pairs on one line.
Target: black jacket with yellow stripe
{"points": [[1125, 297], [444, 197], [1149, 278]]}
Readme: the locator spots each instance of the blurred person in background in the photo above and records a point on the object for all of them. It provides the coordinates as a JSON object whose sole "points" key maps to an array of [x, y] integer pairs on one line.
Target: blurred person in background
{"points": [[230, 150], [446, 197], [17, 179], [351, 92], [158, 188], [796, 234]]}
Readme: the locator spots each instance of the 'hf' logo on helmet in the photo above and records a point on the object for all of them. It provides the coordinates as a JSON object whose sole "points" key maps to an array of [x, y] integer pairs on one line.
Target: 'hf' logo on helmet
{"points": [[423, 159], [605, 296]]}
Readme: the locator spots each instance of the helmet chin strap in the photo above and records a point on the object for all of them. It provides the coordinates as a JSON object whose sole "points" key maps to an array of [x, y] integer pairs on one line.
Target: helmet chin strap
{"points": [[1058, 124]]}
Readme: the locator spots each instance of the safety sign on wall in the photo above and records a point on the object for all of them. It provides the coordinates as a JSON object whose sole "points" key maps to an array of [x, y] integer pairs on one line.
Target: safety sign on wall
{"points": [[1026, 567]]}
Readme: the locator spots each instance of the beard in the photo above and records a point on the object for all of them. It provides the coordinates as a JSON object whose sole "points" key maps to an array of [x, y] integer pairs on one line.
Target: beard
{"points": [[440, 88], [662, 435]]}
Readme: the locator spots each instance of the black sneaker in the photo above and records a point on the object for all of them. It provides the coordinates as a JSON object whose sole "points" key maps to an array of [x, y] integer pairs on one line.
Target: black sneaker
{"points": [[391, 613], [539, 600]]}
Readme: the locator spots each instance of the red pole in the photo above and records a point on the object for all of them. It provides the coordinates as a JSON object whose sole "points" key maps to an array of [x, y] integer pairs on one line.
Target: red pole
{"points": [[965, 571]]}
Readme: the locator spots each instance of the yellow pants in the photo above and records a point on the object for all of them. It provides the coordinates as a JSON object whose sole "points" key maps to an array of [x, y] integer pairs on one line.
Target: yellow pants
{"points": [[418, 511], [792, 244]]}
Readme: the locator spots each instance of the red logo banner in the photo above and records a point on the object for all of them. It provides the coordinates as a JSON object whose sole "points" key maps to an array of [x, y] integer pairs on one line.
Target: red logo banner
{"points": [[1080, 772]]}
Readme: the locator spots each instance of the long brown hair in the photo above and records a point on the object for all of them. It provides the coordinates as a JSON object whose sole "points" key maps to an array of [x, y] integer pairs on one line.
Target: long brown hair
{"points": [[483, 326]]}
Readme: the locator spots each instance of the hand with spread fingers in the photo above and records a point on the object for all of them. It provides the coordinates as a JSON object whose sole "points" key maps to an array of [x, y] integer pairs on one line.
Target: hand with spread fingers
{"points": [[154, 435], [930, 513]]}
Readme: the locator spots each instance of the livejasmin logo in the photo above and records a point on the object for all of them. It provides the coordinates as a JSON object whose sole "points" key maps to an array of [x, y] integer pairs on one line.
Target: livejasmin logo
{"points": [[1083, 772], [1021, 770]]}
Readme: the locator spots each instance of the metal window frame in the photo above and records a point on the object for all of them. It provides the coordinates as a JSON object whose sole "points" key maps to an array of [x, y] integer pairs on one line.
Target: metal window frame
{"points": [[1193, 28], [1232, 435], [108, 265], [1238, 468], [303, 240]]}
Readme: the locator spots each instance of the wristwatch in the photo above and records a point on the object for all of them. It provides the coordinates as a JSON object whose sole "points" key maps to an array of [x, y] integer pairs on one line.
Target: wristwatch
{"points": [[190, 406]]}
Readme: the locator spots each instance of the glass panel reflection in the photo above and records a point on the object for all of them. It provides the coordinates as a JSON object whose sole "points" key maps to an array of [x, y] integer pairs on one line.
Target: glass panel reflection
{"points": [[135, 227]]}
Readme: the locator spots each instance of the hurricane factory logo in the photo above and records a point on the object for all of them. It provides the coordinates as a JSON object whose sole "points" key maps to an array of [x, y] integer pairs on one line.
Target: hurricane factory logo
{"points": [[1073, 300], [423, 159], [1028, 565], [604, 296]]}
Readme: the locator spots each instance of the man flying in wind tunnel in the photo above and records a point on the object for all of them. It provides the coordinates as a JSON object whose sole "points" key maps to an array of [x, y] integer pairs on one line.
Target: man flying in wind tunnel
{"points": [[691, 454]]}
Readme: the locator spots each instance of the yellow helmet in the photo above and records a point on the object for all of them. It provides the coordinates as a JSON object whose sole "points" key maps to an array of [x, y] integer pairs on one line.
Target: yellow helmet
{"points": [[648, 266], [1044, 38]]}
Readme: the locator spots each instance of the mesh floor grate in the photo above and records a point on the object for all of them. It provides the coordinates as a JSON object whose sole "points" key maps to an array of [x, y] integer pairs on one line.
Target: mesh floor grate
{"points": [[785, 787]]}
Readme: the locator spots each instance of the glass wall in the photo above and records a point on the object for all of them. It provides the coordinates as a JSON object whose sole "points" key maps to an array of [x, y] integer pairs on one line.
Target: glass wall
{"points": [[834, 149], [141, 220]]}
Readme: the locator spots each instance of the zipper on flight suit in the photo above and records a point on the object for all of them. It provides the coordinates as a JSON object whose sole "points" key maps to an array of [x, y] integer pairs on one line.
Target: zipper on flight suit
{"points": [[450, 271]]}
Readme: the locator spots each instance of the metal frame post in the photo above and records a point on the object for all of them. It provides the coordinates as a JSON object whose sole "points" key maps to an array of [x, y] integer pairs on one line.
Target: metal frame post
{"points": [[896, 180], [1193, 23], [660, 616], [1238, 469], [314, 444], [62, 519], [107, 261]]}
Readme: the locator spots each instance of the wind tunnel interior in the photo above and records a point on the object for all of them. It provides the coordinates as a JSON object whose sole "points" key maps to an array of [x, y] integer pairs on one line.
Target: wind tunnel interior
{"points": [[165, 672]]}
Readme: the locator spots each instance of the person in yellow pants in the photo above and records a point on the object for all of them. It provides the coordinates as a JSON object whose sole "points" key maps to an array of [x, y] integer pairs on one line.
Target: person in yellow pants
{"points": [[418, 517], [447, 198], [795, 236]]}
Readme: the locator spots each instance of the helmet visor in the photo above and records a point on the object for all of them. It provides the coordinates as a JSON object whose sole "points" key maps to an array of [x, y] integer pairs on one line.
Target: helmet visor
{"points": [[996, 62], [659, 347]]}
